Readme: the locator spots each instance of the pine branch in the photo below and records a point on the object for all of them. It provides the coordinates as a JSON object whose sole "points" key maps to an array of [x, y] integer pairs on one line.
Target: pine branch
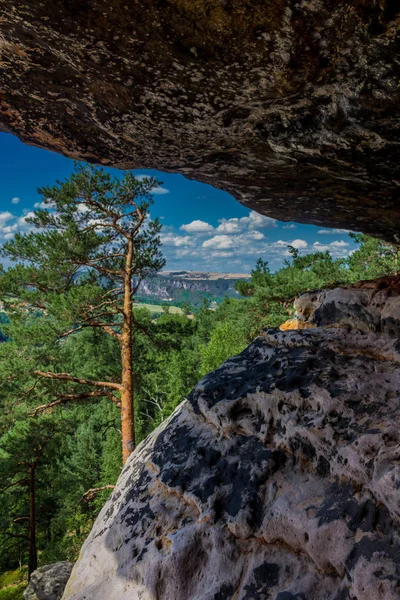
{"points": [[13, 484], [90, 494], [106, 326], [66, 398], [67, 377]]}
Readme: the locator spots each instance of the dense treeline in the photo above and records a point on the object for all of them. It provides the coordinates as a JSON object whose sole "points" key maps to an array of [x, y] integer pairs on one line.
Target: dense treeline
{"points": [[57, 464]]}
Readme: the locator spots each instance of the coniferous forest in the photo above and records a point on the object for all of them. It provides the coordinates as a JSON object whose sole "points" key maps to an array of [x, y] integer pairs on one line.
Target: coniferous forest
{"points": [[86, 375]]}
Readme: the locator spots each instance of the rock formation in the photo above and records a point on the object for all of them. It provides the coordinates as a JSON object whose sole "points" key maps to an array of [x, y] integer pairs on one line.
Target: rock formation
{"points": [[183, 288], [278, 478], [48, 582], [292, 106]]}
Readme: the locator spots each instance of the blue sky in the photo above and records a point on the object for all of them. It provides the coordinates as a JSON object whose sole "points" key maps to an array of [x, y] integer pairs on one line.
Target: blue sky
{"points": [[204, 229]]}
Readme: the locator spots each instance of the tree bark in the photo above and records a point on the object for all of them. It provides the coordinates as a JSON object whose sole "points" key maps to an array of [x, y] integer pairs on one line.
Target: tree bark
{"points": [[32, 560], [127, 388]]}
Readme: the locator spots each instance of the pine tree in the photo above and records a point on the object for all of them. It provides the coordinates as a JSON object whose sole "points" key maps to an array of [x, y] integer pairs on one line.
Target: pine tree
{"points": [[24, 452], [92, 246]]}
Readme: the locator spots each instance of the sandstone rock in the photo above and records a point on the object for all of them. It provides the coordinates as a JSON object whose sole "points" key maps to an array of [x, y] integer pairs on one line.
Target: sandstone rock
{"points": [[367, 306], [293, 107], [278, 478], [48, 582]]}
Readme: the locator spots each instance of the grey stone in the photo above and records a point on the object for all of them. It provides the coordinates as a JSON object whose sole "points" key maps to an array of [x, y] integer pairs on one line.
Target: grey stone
{"points": [[367, 306], [48, 582], [277, 479], [292, 107]]}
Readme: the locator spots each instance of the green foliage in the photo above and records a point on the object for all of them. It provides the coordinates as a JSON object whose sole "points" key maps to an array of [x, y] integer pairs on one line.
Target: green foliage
{"points": [[374, 258], [12, 584], [14, 592], [12, 577], [224, 342]]}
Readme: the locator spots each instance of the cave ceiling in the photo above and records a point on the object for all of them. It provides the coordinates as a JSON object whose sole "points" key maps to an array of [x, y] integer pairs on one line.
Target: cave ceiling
{"points": [[292, 107]]}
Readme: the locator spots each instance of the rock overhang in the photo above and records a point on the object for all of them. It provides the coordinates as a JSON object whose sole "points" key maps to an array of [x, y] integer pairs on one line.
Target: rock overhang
{"points": [[293, 107]]}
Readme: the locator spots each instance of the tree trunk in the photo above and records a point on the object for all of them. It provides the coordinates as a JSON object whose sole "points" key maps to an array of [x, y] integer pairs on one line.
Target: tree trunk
{"points": [[127, 391], [32, 561]]}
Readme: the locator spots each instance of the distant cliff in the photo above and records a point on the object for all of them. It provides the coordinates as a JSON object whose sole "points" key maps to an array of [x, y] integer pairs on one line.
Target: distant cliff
{"points": [[188, 286]]}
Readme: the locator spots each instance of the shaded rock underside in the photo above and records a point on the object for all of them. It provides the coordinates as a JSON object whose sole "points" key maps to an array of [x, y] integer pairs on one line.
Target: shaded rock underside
{"points": [[292, 106], [278, 479]]}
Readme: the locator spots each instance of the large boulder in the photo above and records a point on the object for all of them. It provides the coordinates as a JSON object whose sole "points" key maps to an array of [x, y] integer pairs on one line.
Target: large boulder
{"points": [[48, 582], [278, 478], [367, 306], [292, 106]]}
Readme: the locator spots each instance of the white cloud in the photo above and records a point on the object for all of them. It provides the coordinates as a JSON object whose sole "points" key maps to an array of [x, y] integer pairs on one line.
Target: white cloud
{"points": [[332, 231], [45, 205], [253, 221], [336, 245], [337, 249], [257, 221], [197, 227], [9, 228], [11, 224], [82, 208], [253, 235], [230, 226], [159, 190], [235, 244], [176, 240], [21, 221], [299, 244], [221, 254], [155, 190], [220, 242], [5, 216], [15, 200]]}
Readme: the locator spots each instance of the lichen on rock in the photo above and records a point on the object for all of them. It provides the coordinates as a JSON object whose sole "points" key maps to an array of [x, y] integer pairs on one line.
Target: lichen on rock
{"points": [[48, 582], [277, 478]]}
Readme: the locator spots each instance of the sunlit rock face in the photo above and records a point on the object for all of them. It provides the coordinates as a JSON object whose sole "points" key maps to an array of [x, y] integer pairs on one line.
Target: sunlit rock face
{"points": [[277, 479], [292, 106]]}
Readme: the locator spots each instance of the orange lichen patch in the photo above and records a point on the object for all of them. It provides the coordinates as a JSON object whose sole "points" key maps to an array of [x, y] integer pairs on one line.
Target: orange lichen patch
{"points": [[163, 544], [152, 467], [295, 324]]}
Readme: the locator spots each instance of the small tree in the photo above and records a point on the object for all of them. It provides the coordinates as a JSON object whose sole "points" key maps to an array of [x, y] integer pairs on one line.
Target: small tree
{"points": [[373, 258], [92, 246], [24, 452]]}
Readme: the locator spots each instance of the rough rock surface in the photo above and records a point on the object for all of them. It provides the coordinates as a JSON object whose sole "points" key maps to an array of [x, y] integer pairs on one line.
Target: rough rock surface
{"points": [[48, 582], [367, 306], [278, 478], [292, 106]]}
